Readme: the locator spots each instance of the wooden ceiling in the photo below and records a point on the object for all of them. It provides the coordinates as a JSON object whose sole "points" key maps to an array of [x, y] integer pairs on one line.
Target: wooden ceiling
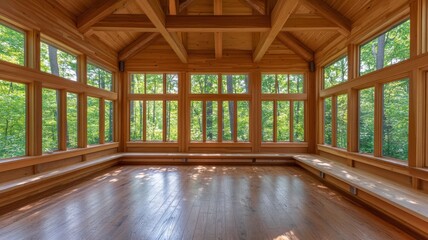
{"points": [[261, 27]]}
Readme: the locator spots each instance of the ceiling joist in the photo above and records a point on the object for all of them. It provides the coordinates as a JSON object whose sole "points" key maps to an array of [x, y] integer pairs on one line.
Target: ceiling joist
{"points": [[279, 17], [154, 12], [296, 46], [138, 45], [330, 14]]}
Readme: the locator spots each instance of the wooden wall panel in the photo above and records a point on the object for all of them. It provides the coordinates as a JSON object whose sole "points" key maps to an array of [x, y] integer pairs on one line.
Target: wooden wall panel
{"points": [[237, 41], [16, 174]]}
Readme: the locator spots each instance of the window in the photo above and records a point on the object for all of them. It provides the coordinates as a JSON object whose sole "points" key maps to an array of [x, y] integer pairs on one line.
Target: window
{"points": [[12, 45], [395, 120], [366, 120], [93, 121], [50, 129], [154, 115], [282, 119], [72, 120], [342, 121], [57, 62], [224, 118], [386, 49], [12, 119], [108, 121], [336, 73], [328, 121], [100, 78]]}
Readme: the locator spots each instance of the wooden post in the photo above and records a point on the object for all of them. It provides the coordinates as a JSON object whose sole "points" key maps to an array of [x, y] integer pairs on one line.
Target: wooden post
{"points": [[82, 124], [34, 119], [378, 120]]}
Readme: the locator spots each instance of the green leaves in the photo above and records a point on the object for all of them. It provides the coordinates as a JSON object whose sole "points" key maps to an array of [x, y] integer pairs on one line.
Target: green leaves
{"points": [[12, 45], [336, 73], [100, 78], [57, 62]]}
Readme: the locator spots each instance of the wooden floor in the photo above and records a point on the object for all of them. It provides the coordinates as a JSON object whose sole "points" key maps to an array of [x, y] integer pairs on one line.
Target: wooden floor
{"points": [[197, 202]]}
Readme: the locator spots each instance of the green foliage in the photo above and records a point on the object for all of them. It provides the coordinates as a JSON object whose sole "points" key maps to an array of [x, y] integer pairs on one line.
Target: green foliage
{"points": [[172, 121], [366, 120], [12, 119], [57, 62], [100, 78], [138, 83], [387, 49], [50, 131], [235, 84], [342, 121], [211, 121], [336, 73], [283, 119], [154, 121], [282, 83], [108, 121], [243, 121], [204, 83], [136, 121], [267, 121], [196, 121], [228, 114], [12, 45], [72, 120], [395, 124], [172, 83], [93, 121], [299, 121], [154, 83], [328, 121]]}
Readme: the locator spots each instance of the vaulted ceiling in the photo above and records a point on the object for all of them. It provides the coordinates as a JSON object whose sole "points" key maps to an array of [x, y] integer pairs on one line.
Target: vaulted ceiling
{"points": [[261, 27]]}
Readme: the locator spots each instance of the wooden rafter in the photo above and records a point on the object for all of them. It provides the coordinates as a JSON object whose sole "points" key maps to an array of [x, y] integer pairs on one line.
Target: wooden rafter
{"points": [[218, 36], [309, 22], [279, 16], [154, 12], [172, 7], [125, 22], [139, 44], [331, 14], [296, 46], [96, 13], [257, 5]]}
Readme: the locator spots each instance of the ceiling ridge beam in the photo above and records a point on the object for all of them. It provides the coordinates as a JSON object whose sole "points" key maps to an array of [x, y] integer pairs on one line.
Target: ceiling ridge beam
{"points": [[296, 46], [330, 14], [138, 45], [279, 17]]}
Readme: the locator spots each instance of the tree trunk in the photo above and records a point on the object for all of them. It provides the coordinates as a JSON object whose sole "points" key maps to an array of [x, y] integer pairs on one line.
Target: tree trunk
{"points": [[209, 131], [53, 60], [380, 54], [229, 87]]}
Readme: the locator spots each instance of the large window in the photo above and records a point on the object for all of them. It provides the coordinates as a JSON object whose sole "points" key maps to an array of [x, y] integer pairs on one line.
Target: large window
{"points": [[50, 124], [336, 72], [57, 62], [93, 120], [72, 120], [154, 112], [225, 117], [366, 120], [12, 45], [282, 118], [12, 119], [100, 78], [386, 49]]}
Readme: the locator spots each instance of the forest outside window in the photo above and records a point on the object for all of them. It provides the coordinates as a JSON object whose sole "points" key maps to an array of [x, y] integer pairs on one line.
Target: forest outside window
{"points": [[57, 62], [328, 121], [386, 49], [12, 42], [93, 120], [12, 119], [336, 72], [72, 120], [366, 120], [50, 120], [100, 78]]}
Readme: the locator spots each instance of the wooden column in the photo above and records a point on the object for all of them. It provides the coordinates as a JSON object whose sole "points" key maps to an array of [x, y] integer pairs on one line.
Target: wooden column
{"points": [[34, 119], [311, 116], [378, 120], [419, 27], [82, 123]]}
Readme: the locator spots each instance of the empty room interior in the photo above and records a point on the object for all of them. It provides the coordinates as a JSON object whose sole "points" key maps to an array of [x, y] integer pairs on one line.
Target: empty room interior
{"points": [[214, 119]]}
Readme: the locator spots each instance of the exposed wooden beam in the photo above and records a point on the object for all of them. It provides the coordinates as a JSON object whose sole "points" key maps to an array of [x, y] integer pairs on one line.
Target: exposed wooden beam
{"points": [[96, 13], [172, 6], [309, 22], [296, 46], [154, 12], [139, 44], [185, 4], [224, 23], [331, 14], [279, 16], [257, 5], [125, 22], [218, 36]]}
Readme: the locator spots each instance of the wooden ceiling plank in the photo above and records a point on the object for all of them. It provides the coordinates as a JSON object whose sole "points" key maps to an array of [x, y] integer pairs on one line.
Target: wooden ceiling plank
{"points": [[185, 4], [296, 46], [96, 13], [257, 5], [154, 12], [280, 14], [331, 14], [125, 22], [309, 22], [138, 45], [218, 36]]}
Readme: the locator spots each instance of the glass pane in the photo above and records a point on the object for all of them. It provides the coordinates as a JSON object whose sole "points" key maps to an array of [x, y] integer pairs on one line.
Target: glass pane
{"points": [[268, 83], [154, 83], [137, 122], [243, 124], [336, 73], [93, 121], [49, 120], [212, 121], [72, 120], [100, 78], [57, 62], [12, 45], [328, 121], [299, 121], [196, 121], [12, 119], [235, 84], [172, 83], [267, 121], [387, 49], [296, 82], [395, 130], [154, 121], [342, 121], [366, 120], [137, 83], [171, 121], [108, 121], [204, 83], [228, 120], [282, 86], [283, 121]]}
